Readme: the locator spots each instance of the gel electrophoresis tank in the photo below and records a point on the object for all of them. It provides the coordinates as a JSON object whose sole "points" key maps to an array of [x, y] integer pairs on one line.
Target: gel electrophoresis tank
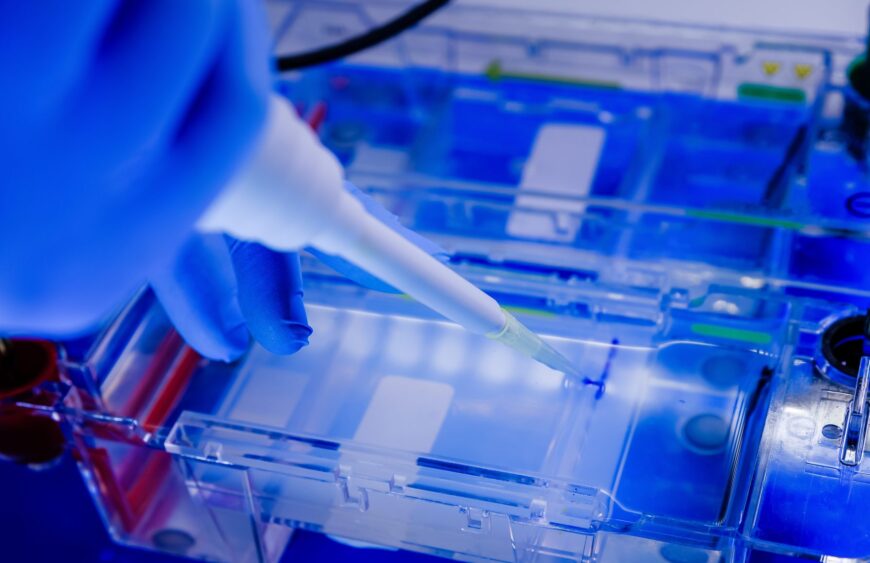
{"points": [[678, 219]]}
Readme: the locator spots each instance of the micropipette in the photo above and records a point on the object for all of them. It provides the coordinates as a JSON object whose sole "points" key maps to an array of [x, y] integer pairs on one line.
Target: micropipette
{"points": [[291, 195]]}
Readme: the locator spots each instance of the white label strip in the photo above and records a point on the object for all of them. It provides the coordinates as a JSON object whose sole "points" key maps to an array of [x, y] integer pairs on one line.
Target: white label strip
{"points": [[405, 414], [563, 161]]}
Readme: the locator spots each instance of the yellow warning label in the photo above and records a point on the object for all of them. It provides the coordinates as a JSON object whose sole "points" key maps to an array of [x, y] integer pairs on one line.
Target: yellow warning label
{"points": [[802, 70], [770, 67]]}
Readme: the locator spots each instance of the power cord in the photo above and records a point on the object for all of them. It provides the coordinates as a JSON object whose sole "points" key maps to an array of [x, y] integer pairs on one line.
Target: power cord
{"points": [[370, 38]]}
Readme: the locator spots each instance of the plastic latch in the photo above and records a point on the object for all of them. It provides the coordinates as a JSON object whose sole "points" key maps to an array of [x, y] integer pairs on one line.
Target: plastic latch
{"points": [[476, 519], [538, 509], [213, 450], [351, 494], [855, 425]]}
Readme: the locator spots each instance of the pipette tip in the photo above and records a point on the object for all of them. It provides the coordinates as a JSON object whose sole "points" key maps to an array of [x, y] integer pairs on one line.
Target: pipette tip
{"points": [[517, 336], [548, 356]]}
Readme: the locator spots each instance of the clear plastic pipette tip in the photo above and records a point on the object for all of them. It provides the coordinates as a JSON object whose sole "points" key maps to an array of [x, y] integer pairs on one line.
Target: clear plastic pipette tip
{"points": [[517, 336]]}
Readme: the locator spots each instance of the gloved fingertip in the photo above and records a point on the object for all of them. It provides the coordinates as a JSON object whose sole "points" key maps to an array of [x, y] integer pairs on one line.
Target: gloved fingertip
{"points": [[198, 293], [286, 338], [270, 297], [230, 347], [286, 334], [226, 345]]}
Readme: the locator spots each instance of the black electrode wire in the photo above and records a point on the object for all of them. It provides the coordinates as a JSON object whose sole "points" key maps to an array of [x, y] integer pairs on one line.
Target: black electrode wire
{"points": [[372, 37], [867, 38], [858, 72], [776, 187]]}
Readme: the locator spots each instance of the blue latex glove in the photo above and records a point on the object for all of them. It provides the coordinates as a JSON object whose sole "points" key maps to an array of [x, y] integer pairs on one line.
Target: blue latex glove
{"points": [[119, 122], [218, 289]]}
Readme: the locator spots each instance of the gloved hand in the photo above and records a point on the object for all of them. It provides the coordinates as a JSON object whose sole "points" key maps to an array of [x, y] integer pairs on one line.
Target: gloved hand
{"points": [[218, 289], [120, 120]]}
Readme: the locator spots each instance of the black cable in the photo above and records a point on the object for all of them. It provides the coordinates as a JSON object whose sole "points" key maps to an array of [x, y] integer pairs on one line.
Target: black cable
{"points": [[775, 189], [359, 43]]}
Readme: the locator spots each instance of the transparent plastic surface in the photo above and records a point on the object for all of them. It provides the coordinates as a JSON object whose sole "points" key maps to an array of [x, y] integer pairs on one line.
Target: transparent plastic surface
{"points": [[747, 170], [390, 424], [397, 428]]}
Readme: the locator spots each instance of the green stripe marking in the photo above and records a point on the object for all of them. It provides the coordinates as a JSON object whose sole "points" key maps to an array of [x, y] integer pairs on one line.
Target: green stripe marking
{"points": [[495, 72], [529, 311], [745, 219], [511, 308], [767, 92], [719, 331]]}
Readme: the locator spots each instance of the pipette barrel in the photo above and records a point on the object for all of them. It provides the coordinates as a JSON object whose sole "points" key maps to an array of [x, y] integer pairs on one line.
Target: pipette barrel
{"points": [[362, 239], [384, 253]]}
